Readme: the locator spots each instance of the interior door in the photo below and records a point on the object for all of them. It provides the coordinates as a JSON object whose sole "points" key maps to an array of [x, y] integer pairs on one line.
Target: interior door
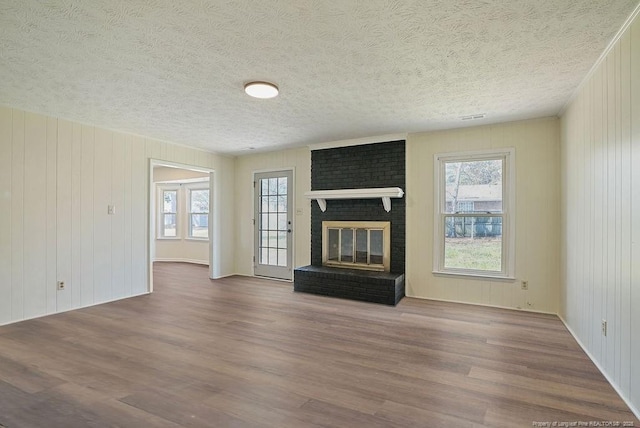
{"points": [[272, 220]]}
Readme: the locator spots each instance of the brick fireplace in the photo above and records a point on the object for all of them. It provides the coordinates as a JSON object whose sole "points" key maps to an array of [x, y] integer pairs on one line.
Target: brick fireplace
{"points": [[380, 165]]}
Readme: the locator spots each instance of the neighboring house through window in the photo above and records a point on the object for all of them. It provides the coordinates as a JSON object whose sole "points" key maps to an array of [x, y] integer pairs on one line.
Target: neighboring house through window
{"points": [[474, 213]]}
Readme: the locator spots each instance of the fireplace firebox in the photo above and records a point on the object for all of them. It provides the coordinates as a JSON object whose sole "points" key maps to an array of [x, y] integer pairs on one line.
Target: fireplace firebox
{"points": [[356, 244]]}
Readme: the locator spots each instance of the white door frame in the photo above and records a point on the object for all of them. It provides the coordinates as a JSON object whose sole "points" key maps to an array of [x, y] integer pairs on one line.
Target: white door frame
{"points": [[214, 218], [290, 203]]}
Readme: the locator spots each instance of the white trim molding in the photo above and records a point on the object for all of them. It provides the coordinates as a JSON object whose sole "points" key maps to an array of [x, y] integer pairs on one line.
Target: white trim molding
{"points": [[384, 193], [181, 260]]}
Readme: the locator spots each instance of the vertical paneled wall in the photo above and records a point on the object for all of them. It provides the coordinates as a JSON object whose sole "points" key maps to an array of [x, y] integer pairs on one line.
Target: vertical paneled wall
{"points": [[57, 179], [537, 153], [601, 215]]}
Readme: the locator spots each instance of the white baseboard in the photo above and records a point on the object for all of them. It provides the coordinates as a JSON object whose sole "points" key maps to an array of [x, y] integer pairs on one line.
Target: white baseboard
{"points": [[224, 276], [486, 305], [75, 309], [198, 262], [628, 402]]}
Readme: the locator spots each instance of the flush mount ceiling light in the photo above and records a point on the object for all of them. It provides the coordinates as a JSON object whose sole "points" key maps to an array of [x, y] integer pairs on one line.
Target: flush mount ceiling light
{"points": [[261, 89]]}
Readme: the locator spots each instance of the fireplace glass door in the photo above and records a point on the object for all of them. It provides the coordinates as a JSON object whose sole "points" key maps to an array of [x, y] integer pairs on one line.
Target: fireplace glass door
{"points": [[273, 228], [356, 245]]}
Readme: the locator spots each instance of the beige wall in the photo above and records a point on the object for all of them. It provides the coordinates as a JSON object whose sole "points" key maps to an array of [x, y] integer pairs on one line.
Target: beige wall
{"points": [[537, 153], [300, 160], [56, 180], [181, 249], [168, 174], [601, 215]]}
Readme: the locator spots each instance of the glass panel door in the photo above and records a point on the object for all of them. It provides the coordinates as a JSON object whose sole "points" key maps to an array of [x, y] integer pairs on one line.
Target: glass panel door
{"points": [[273, 228]]}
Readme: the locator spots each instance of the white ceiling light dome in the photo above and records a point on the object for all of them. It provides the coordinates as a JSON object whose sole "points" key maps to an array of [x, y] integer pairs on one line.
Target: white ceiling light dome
{"points": [[260, 89]]}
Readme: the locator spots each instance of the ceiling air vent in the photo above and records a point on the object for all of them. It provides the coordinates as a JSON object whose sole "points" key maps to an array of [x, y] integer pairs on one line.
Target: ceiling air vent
{"points": [[473, 116]]}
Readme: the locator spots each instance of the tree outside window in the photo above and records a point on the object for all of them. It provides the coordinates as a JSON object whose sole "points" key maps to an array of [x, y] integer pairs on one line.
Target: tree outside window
{"points": [[183, 211], [474, 208], [199, 213], [169, 214]]}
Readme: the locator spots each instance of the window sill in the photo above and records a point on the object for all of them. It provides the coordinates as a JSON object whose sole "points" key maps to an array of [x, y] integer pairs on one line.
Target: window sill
{"points": [[168, 238], [197, 239], [478, 276]]}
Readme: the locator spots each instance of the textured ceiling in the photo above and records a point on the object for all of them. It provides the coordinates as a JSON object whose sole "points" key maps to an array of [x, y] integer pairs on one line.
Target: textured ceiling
{"points": [[174, 70]]}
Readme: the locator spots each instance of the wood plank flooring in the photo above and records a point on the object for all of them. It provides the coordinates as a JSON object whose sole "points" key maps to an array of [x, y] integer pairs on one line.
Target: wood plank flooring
{"points": [[246, 352]]}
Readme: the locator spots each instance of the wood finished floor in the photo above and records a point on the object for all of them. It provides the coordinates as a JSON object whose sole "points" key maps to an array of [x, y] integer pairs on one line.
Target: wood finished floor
{"points": [[250, 352]]}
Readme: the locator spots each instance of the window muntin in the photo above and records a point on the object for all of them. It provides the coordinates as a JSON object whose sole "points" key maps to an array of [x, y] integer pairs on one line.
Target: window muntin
{"points": [[474, 214], [274, 224]]}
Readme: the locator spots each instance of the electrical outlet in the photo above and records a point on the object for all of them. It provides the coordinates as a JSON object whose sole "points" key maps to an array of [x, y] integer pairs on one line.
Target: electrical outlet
{"points": [[524, 285], [604, 327], [60, 285], [111, 209]]}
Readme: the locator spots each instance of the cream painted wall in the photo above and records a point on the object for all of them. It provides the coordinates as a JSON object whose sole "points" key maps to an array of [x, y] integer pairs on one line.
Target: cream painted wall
{"points": [[300, 160], [181, 249], [56, 180], [537, 152], [601, 215], [167, 174]]}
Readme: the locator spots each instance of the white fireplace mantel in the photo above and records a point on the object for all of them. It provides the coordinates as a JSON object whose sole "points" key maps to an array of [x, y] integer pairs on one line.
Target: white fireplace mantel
{"points": [[384, 193]]}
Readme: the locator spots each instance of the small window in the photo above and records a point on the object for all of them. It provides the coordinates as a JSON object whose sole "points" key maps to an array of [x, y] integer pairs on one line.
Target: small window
{"points": [[474, 217], [198, 213], [168, 215]]}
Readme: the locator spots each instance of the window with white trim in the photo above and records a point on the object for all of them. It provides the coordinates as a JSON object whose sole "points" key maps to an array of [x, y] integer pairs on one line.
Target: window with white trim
{"points": [[183, 210], [474, 218], [198, 213], [169, 213]]}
